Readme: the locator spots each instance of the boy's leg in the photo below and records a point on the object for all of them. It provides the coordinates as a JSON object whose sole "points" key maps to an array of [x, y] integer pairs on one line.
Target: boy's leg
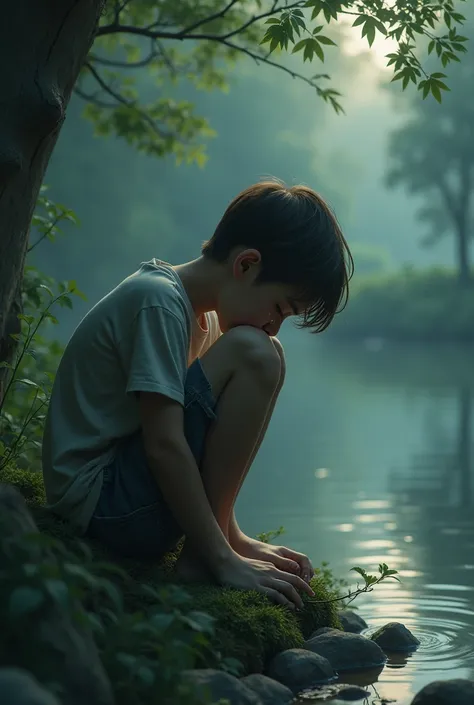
{"points": [[245, 369], [234, 531], [242, 371]]}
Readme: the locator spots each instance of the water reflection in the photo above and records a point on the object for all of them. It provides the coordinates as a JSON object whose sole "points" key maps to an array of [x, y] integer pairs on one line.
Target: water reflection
{"points": [[392, 431]]}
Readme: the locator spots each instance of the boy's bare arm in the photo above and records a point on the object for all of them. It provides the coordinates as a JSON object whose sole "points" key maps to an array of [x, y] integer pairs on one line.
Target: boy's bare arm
{"points": [[175, 469]]}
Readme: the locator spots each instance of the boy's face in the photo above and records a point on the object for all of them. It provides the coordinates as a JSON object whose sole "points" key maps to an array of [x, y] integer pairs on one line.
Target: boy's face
{"points": [[244, 302]]}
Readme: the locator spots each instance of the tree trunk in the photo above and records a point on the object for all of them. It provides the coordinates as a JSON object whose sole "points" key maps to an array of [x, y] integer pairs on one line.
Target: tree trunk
{"points": [[43, 44], [462, 219], [462, 246]]}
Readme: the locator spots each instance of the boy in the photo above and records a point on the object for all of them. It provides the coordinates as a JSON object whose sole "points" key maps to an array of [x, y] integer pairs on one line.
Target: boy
{"points": [[166, 388]]}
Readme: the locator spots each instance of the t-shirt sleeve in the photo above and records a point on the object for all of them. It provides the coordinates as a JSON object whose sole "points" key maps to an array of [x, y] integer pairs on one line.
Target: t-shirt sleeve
{"points": [[158, 360]]}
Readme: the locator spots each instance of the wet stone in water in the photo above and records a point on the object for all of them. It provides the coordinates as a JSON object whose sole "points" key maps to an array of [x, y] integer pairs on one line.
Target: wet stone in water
{"points": [[268, 690], [347, 652], [394, 636], [351, 622], [221, 685], [454, 692], [299, 669], [341, 691]]}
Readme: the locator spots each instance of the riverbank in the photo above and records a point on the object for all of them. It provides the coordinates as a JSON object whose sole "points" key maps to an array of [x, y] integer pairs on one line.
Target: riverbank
{"points": [[139, 611], [419, 306]]}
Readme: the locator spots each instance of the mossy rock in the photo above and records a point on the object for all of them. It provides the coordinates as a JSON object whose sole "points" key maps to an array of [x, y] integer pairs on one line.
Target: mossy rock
{"points": [[248, 626]]}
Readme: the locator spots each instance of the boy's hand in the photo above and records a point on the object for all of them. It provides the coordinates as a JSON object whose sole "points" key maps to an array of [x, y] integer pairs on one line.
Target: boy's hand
{"points": [[283, 558], [263, 576]]}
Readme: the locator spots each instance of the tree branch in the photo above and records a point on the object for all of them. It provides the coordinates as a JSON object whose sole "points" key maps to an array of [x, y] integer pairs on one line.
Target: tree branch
{"points": [[123, 101], [210, 18], [45, 234], [186, 32], [93, 99], [144, 32], [124, 64]]}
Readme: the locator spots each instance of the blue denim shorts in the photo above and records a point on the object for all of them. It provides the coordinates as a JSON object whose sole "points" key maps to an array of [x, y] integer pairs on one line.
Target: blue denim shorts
{"points": [[132, 518]]}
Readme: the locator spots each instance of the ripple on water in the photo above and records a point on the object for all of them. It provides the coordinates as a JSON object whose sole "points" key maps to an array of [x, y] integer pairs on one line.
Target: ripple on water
{"points": [[443, 623]]}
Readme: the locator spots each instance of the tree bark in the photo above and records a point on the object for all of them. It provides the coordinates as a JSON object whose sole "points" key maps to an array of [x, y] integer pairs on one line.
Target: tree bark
{"points": [[47, 644], [43, 44], [462, 220], [462, 246]]}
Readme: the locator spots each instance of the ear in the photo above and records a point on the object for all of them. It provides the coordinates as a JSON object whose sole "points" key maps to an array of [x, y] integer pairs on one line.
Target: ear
{"points": [[247, 263]]}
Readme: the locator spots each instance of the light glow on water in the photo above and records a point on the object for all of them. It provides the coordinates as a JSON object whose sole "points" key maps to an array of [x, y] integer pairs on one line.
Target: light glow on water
{"points": [[386, 500]]}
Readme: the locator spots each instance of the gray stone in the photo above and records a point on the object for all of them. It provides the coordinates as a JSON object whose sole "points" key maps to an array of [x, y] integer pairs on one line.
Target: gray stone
{"points": [[347, 652], [454, 692], [18, 687], [219, 684], [394, 636], [342, 691], [323, 630], [299, 669], [270, 691], [352, 622]]}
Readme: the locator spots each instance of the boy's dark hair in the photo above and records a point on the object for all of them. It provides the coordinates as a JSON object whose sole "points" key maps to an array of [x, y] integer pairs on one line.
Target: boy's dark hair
{"points": [[300, 241]]}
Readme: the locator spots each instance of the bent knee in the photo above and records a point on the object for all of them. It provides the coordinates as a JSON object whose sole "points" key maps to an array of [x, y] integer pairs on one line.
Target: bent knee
{"points": [[279, 348], [254, 349]]}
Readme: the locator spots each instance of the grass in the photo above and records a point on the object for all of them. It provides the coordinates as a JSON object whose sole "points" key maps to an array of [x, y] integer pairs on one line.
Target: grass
{"points": [[248, 626]]}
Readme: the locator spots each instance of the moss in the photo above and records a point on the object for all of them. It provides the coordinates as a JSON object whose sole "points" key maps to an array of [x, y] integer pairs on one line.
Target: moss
{"points": [[248, 626], [29, 483]]}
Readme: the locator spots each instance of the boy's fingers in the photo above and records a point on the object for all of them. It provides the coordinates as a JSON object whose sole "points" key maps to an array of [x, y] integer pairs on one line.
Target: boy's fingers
{"points": [[291, 566], [278, 597], [305, 567], [298, 583], [288, 591]]}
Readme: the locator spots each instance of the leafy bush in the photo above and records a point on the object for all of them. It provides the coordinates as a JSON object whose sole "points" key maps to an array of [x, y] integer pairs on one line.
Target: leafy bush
{"points": [[143, 655], [421, 306]]}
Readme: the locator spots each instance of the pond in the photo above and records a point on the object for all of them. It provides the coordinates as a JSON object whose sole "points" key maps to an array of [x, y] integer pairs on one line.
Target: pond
{"points": [[368, 459]]}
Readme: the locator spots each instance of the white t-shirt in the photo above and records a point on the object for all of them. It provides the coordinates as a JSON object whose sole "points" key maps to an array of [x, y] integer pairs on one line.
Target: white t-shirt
{"points": [[142, 336]]}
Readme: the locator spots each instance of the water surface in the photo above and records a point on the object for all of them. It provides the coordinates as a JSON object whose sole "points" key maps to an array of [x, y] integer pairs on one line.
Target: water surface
{"points": [[368, 459]]}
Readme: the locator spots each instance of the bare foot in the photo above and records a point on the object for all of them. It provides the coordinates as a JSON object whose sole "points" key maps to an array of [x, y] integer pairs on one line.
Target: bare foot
{"points": [[191, 570]]}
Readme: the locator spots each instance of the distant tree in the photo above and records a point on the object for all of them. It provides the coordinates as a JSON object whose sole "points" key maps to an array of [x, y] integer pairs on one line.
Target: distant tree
{"points": [[53, 47], [432, 156]]}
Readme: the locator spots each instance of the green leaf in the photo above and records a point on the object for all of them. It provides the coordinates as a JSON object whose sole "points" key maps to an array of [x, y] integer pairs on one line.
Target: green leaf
{"points": [[46, 288], [200, 621], [326, 40], [162, 620], [78, 571], [27, 382], [28, 319], [360, 20], [50, 317], [318, 50], [58, 591], [435, 90], [146, 675], [25, 600]]}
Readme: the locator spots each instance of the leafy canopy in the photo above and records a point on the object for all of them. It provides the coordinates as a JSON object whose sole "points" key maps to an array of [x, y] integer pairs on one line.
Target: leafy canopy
{"points": [[198, 40]]}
